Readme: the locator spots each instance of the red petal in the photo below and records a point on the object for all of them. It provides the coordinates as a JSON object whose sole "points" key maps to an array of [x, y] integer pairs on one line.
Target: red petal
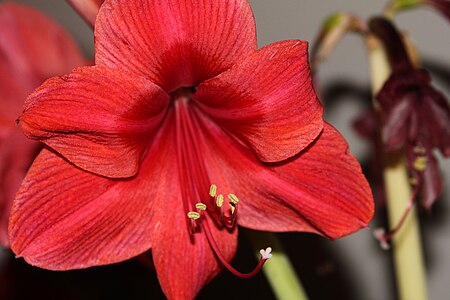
{"points": [[267, 100], [321, 190], [431, 184], [12, 96], [185, 263], [100, 119], [16, 154], [395, 127], [174, 43], [434, 111], [35, 46], [66, 218], [32, 48], [88, 9]]}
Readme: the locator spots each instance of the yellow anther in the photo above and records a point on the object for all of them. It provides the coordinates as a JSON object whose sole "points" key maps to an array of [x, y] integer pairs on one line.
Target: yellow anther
{"points": [[213, 190], [219, 200], [420, 163], [200, 206], [193, 215], [232, 207], [233, 198]]}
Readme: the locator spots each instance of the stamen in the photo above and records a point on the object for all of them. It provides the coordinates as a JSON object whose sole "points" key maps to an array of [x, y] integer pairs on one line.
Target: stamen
{"points": [[219, 200], [227, 217], [232, 207], [193, 215], [189, 158], [200, 206], [227, 220], [213, 190], [420, 163], [233, 198]]}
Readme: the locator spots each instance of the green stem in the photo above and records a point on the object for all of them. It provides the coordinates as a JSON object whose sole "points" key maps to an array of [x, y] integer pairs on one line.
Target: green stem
{"points": [[278, 270], [407, 250], [396, 6]]}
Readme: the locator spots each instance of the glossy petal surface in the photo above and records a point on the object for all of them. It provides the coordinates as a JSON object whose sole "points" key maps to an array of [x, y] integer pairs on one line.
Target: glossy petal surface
{"points": [[116, 117], [321, 190], [183, 265], [16, 155], [174, 43], [413, 110], [66, 218], [267, 100], [184, 262], [32, 47]]}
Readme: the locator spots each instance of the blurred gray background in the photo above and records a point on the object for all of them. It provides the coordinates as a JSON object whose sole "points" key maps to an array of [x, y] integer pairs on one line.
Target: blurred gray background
{"points": [[343, 79]]}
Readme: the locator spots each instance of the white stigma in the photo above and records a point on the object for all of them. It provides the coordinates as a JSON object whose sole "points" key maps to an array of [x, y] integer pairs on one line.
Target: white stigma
{"points": [[266, 254], [380, 236]]}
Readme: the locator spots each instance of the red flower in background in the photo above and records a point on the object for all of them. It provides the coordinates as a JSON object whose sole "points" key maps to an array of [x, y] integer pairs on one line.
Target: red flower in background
{"points": [[180, 98], [32, 49]]}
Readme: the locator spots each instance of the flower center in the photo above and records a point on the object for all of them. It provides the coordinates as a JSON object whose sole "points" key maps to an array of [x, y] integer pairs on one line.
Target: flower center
{"points": [[182, 93], [202, 210]]}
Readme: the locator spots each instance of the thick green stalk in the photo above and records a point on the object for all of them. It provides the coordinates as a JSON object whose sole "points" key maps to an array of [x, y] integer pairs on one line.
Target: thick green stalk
{"points": [[278, 270], [406, 243]]}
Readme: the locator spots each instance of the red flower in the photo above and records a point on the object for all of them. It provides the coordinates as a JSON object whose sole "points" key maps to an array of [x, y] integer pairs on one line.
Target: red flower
{"points": [[88, 9], [180, 98], [415, 116], [32, 48]]}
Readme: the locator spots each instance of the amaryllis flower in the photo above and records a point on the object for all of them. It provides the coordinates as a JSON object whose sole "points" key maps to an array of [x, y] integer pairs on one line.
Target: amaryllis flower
{"points": [[32, 49], [181, 131], [88, 9], [415, 116]]}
